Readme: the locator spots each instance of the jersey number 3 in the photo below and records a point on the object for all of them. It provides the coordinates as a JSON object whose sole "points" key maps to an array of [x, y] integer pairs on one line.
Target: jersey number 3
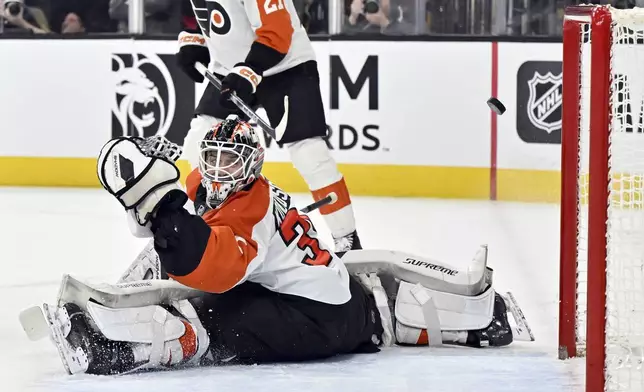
{"points": [[311, 246]]}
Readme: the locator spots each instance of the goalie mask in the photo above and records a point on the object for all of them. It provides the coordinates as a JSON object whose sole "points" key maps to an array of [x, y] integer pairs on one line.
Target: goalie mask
{"points": [[230, 158]]}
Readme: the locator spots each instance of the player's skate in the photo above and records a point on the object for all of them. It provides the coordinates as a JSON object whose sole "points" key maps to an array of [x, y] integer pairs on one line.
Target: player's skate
{"points": [[349, 242], [117, 341], [126, 332], [81, 348], [498, 333]]}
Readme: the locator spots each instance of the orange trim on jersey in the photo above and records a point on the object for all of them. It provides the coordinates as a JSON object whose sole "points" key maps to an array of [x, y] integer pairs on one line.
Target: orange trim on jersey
{"points": [[231, 246], [276, 31], [192, 184], [423, 338], [341, 191]]}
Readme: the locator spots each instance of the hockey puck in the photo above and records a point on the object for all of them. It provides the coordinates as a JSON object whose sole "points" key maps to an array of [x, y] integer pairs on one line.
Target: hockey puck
{"points": [[496, 105]]}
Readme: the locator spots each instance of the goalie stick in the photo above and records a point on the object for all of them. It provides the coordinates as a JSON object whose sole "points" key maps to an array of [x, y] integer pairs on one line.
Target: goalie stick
{"points": [[37, 322], [521, 331], [276, 133]]}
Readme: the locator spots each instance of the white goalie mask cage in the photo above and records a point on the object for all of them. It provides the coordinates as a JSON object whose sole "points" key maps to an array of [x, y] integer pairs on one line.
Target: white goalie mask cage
{"points": [[231, 157]]}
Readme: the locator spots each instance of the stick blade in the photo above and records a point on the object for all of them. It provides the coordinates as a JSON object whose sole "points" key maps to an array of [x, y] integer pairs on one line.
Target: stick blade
{"points": [[281, 127], [34, 323], [522, 330]]}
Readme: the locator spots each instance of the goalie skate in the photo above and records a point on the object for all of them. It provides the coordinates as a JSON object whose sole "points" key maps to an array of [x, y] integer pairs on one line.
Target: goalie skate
{"points": [[81, 348], [57, 319]]}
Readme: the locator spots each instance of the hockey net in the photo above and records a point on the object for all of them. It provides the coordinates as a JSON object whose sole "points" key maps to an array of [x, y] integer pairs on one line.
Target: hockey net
{"points": [[602, 210]]}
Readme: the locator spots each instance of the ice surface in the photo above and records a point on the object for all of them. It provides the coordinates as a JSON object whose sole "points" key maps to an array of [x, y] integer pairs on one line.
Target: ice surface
{"points": [[45, 233]]}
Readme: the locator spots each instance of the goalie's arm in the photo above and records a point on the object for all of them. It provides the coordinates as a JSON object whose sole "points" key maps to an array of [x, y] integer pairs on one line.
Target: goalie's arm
{"points": [[204, 257], [209, 255]]}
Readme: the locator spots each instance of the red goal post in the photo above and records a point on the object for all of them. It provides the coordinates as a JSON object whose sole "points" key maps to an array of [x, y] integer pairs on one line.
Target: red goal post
{"points": [[601, 313]]}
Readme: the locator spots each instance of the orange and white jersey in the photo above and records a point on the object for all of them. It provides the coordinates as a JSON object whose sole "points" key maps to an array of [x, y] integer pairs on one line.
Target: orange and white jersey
{"points": [[231, 27], [257, 235]]}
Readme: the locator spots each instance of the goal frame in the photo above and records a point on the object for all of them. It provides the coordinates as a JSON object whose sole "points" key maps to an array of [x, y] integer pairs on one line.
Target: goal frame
{"points": [[600, 20]]}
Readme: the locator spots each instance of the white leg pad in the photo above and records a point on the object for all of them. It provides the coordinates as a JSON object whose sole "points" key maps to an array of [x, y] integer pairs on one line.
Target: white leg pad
{"points": [[151, 325], [123, 295], [140, 324], [430, 315], [372, 283], [160, 321], [203, 340], [428, 272], [454, 312], [155, 331]]}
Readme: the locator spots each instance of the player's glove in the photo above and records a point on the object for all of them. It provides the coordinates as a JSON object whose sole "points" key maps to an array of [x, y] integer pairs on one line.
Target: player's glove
{"points": [[243, 81], [192, 49], [141, 183]]}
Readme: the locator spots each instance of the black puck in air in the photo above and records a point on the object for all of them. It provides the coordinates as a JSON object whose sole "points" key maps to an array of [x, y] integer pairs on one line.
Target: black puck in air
{"points": [[496, 105]]}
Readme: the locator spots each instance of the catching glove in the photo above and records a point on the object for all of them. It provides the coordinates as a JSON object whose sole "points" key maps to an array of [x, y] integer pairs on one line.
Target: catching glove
{"points": [[138, 181]]}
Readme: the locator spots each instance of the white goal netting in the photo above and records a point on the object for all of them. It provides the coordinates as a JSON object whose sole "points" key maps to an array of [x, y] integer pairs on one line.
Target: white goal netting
{"points": [[624, 329]]}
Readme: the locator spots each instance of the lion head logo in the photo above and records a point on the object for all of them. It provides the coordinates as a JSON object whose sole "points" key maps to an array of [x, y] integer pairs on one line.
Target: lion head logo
{"points": [[145, 100]]}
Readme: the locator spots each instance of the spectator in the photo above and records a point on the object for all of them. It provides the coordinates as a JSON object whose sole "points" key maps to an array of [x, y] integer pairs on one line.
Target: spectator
{"points": [[188, 19], [386, 19], [314, 16], [17, 17], [73, 24], [627, 4], [161, 16], [92, 14]]}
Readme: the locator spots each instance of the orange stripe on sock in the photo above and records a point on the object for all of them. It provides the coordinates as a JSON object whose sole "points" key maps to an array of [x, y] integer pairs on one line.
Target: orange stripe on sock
{"points": [[340, 189], [423, 338]]}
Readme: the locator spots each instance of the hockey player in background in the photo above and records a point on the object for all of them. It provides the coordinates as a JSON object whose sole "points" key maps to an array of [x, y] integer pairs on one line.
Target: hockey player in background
{"points": [[246, 279], [262, 53]]}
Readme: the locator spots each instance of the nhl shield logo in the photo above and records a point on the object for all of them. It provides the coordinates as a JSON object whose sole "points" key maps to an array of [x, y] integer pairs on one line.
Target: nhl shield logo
{"points": [[544, 102]]}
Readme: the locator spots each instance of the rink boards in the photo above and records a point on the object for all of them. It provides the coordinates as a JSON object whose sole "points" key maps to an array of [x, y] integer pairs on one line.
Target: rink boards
{"points": [[405, 118]]}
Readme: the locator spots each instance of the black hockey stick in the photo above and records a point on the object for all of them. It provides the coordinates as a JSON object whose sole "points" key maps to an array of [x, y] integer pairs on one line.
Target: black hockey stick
{"points": [[330, 198], [276, 133]]}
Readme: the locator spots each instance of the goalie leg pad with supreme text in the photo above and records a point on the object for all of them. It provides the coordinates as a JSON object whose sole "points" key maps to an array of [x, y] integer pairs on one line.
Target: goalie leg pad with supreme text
{"points": [[433, 302]]}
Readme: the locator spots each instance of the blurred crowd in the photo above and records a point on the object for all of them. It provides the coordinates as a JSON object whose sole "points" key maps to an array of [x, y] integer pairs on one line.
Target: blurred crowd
{"points": [[470, 17], [92, 16]]}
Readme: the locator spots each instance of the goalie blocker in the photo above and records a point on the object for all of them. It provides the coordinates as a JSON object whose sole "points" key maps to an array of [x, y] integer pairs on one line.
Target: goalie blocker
{"points": [[111, 329]]}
